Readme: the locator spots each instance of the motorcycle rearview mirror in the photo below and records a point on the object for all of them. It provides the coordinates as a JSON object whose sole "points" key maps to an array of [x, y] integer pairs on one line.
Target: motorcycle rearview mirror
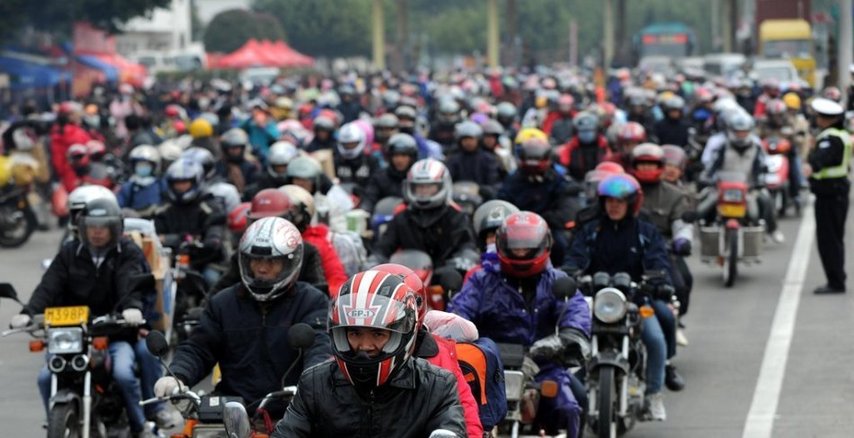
{"points": [[601, 279], [157, 344], [564, 287], [448, 278], [236, 420], [622, 281], [8, 291], [300, 337]]}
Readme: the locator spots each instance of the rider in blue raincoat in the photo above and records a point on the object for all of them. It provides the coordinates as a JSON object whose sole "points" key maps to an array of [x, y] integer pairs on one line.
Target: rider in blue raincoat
{"points": [[516, 305]]}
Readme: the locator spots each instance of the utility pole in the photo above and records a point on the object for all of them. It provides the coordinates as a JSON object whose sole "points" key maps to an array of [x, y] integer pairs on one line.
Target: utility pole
{"points": [[844, 45], [401, 55], [492, 33], [608, 30], [378, 24], [573, 43], [513, 57], [726, 25]]}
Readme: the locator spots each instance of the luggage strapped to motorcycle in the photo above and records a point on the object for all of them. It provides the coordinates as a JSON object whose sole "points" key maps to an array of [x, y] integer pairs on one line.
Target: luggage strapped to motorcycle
{"points": [[482, 368]]}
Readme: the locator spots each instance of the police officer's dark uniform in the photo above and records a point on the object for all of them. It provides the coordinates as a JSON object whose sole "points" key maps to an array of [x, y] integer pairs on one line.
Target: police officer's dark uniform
{"points": [[829, 183]]}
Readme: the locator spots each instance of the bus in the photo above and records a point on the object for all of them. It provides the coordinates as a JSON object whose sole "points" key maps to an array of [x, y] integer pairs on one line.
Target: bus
{"points": [[672, 40]]}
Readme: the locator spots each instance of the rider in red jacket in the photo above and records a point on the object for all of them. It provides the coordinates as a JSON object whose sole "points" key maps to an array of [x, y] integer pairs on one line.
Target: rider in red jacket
{"points": [[63, 135]]}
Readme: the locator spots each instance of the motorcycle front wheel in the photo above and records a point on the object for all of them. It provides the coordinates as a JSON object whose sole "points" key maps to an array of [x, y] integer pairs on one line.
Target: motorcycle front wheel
{"points": [[607, 396], [64, 421], [16, 226], [731, 259]]}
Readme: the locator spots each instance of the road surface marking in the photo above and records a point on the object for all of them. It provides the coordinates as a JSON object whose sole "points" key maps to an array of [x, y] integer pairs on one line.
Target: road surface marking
{"points": [[760, 419]]}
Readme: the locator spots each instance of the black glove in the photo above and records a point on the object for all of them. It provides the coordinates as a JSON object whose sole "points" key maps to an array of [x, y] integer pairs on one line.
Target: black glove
{"points": [[569, 347]]}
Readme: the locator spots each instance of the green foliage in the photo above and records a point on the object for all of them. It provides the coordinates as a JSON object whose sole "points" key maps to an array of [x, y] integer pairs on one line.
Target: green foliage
{"points": [[343, 27], [324, 27], [59, 15], [230, 29]]}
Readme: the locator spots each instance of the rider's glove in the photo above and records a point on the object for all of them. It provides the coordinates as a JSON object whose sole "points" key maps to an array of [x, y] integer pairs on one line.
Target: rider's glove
{"points": [[682, 247], [166, 386], [133, 316], [549, 348], [20, 321]]}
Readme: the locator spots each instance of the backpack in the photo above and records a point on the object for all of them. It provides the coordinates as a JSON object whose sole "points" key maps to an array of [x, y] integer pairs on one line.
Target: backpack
{"points": [[482, 369]]}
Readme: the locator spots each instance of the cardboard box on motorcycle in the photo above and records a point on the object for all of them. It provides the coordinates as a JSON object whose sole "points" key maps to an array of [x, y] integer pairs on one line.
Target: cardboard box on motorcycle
{"points": [[159, 261]]}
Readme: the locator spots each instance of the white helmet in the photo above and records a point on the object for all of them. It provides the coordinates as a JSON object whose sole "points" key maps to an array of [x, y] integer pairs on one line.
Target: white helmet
{"points": [[79, 197], [302, 204], [351, 134], [270, 238], [281, 153], [427, 172], [140, 156]]}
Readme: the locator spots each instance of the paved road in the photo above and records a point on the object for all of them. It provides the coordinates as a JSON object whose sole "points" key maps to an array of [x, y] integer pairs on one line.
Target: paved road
{"points": [[728, 330]]}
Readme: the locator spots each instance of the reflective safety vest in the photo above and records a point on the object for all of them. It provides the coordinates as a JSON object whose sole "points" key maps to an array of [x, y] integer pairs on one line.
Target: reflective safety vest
{"points": [[841, 169]]}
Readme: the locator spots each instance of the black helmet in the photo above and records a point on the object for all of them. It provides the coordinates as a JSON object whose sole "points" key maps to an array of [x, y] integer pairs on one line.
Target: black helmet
{"points": [[101, 212], [402, 144]]}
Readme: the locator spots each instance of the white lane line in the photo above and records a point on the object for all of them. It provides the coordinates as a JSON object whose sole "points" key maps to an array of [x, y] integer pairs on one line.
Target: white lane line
{"points": [[760, 419]]}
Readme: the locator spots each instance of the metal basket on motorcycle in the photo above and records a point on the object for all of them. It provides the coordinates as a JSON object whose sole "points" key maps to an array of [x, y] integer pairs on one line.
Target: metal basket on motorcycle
{"points": [[736, 234]]}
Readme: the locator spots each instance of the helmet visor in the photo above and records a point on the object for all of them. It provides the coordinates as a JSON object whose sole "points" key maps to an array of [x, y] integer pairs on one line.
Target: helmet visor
{"points": [[365, 314]]}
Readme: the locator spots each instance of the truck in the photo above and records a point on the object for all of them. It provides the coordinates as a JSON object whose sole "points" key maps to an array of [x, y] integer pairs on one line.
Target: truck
{"points": [[785, 32]]}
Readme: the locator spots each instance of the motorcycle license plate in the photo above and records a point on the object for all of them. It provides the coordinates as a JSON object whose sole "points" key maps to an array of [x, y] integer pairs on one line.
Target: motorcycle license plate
{"points": [[730, 210], [66, 316]]}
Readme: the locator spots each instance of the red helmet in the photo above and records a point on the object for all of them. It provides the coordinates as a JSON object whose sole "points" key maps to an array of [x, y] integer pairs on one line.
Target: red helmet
{"points": [[775, 107], [270, 202], [648, 153], [97, 150], [631, 132], [237, 218], [373, 300], [610, 167], [528, 232], [180, 126], [173, 111], [78, 155], [411, 279]]}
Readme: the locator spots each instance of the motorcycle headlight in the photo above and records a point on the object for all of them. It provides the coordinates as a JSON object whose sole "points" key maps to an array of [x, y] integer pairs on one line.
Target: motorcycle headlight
{"points": [[65, 340], [609, 305]]}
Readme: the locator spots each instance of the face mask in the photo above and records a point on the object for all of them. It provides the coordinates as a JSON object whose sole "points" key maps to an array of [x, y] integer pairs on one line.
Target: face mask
{"points": [[143, 170], [587, 136], [490, 247]]}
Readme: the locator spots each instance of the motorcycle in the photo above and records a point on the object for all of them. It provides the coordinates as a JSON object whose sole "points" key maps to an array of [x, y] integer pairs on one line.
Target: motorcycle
{"points": [[190, 293], [777, 178], [209, 415], [17, 219], [84, 400], [522, 391], [735, 236], [617, 367]]}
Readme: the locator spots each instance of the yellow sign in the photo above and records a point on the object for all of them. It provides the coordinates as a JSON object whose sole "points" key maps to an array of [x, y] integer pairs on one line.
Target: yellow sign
{"points": [[66, 316], [732, 210]]}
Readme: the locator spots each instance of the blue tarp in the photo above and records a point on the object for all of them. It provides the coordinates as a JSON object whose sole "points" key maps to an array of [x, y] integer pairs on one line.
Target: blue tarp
{"points": [[109, 71], [24, 75]]}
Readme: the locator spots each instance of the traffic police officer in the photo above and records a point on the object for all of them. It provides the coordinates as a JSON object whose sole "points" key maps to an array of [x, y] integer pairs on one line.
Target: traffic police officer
{"points": [[829, 160]]}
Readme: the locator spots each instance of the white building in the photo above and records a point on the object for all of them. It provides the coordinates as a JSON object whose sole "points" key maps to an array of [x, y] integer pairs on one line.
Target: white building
{"points": [[165, 31]]}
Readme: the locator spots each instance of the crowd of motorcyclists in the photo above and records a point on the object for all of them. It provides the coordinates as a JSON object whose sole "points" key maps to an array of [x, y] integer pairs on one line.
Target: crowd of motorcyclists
{"points": [[293, 197]]}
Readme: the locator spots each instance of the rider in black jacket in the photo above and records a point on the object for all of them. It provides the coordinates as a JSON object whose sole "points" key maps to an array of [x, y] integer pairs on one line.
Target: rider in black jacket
{"points": [[429, 223], [244, 328], [401, 152], [375, 387]]}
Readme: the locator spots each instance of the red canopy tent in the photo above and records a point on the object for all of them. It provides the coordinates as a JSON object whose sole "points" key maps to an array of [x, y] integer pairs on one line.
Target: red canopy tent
{"points": [[263, 54]]}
